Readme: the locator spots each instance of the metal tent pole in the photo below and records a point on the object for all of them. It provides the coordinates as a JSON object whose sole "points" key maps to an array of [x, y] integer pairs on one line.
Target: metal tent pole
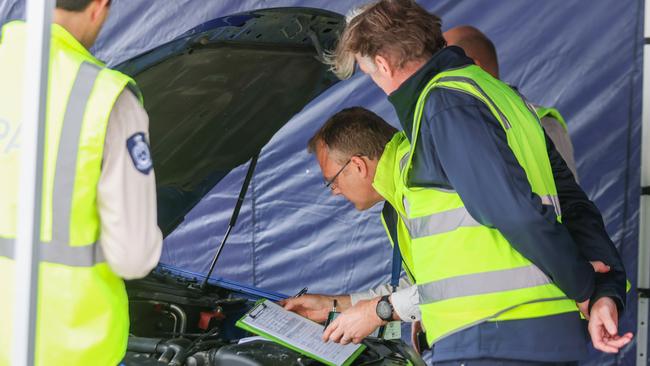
{"points": [[39, 19], [644, 208]]}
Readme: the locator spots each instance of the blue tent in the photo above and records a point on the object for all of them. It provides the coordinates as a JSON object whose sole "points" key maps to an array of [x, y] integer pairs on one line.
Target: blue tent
{"points": [[585, 58]]}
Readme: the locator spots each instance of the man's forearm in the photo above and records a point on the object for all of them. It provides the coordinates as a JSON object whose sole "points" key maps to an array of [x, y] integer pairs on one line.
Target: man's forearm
{"points": [[585, 224]]}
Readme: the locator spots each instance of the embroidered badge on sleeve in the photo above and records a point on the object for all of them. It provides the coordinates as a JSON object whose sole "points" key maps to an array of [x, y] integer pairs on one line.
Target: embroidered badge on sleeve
{"points": [[139, 151]]}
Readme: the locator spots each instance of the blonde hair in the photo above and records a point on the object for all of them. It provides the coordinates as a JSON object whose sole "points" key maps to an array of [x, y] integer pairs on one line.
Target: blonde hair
{"points": [[399, 30]]}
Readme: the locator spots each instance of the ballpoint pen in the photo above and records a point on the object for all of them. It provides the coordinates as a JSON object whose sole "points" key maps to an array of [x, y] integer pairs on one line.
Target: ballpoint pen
{"points": [[301, 292]]}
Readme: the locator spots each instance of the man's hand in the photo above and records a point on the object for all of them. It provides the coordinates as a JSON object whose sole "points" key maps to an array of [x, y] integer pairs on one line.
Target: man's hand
{"points": [[599, 267], [603, 327], [354, 324], [311, 306]]}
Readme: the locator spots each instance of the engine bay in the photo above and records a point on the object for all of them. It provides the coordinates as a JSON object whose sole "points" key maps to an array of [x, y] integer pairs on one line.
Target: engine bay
{"points": [[176, 322]]}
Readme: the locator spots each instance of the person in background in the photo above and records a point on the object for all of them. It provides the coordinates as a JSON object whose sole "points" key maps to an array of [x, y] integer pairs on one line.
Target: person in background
{"points": [[480, 48], [99, 199]]}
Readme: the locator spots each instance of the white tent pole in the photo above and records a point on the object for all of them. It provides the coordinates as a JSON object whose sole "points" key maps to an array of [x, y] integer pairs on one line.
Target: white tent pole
{"points": [[644, 209], [39, 19]]}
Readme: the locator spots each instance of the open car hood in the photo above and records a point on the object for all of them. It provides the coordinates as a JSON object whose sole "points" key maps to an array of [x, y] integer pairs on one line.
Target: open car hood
{"points": [[215, 97], [217, 94]]}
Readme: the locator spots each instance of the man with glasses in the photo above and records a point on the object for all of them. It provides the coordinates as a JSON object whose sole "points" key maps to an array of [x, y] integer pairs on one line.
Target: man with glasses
{"points": [[348, 169], [349, 148], [99, 196]]}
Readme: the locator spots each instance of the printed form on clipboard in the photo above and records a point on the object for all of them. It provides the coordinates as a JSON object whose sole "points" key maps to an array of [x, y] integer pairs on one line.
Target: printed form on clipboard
{"points": [[302, 335]]}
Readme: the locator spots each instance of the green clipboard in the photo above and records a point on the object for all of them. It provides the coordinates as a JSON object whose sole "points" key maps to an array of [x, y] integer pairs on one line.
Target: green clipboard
{"points": [[261, 303]]}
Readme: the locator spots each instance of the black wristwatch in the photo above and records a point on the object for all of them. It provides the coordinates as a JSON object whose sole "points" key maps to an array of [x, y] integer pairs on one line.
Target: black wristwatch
{"points": [[384, 309]]}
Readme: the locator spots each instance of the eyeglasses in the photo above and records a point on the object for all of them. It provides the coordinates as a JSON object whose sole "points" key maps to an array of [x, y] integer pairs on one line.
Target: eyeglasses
{"points": [[329, 183]]}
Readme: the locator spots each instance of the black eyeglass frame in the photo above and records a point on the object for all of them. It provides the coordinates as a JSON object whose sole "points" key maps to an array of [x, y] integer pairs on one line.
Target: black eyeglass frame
{"points": [[328, 183]]}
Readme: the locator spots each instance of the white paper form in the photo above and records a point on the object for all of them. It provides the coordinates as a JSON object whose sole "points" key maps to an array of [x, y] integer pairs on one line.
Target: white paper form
{"points": [[293, 329]]}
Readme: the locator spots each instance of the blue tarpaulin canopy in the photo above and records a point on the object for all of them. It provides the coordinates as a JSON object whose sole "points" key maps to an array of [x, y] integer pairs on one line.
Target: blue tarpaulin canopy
{"points": [[584, 58]]}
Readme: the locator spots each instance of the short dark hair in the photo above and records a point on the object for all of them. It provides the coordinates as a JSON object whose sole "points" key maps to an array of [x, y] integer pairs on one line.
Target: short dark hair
{"points": [[73, 5], [354, 131]]}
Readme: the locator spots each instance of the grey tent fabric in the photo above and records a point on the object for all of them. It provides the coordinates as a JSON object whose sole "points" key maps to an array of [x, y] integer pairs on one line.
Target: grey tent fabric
{"points": [[583, 57]]}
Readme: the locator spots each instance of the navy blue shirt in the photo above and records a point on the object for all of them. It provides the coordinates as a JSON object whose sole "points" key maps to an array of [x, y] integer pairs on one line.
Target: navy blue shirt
{"points": [[463, 147]]}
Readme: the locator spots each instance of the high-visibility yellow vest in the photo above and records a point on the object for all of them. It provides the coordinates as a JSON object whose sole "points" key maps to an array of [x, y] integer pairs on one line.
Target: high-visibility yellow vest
{"points": [[542, 112], [468, 273], [385, 183], [82, 311]]}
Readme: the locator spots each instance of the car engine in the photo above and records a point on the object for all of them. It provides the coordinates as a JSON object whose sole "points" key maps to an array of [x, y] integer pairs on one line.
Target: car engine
{"points": [[175, 322]]}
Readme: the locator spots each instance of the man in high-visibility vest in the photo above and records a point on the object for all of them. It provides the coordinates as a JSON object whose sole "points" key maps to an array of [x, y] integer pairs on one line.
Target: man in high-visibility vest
{"points": [[375, 149], [497, 273], [99, 199], [480, 48]]}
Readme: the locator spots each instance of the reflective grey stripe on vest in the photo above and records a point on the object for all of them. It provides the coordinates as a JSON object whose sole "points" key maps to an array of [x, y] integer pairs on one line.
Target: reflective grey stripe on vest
{"points": [[438, 223], [446, 221], [403, 161], [482, 283], [7, 248], [84, 256], [59, 249], [66, 159], [497, 314], [552, 201], [407, 205]]}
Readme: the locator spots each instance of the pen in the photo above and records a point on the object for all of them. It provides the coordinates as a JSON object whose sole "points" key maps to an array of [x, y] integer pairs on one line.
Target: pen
{"points": [[301, 292], [332, 314]]}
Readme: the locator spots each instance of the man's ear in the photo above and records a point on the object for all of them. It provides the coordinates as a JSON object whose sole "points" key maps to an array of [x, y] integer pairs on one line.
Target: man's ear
{"points": [[361, 165], [96, 8], [383, 66]]}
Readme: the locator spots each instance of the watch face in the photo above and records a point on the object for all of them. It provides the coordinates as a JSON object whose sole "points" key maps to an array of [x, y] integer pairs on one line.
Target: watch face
{"points": [[384, 310]]}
